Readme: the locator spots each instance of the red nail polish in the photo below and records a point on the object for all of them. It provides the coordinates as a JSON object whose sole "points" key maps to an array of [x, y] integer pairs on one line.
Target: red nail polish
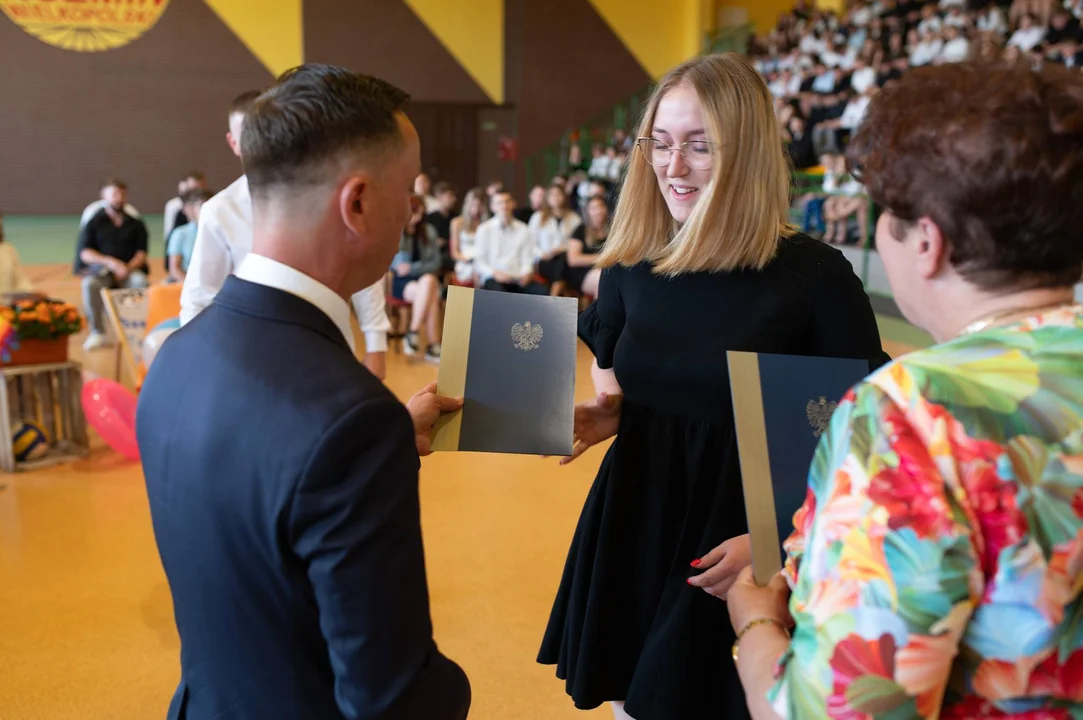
{"points": [[695, 563], [689, 581]]}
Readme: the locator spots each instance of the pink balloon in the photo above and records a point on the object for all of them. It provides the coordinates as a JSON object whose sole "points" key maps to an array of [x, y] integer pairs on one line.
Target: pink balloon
{"points": [[110, 409]]}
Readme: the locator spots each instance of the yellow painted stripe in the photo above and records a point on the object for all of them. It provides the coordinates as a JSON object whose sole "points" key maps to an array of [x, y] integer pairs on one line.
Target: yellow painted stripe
{"points": [[473, 32], [272, 30], [454, 356], [755, 465]]}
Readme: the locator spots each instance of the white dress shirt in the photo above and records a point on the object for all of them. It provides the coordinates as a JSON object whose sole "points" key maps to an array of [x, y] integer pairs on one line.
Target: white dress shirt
{"points": [[224, 239], [955, 51], [273, 274], [93, 208], [862, 80], [1027, 40], [553, 235], [172, 207], [504, 248]]}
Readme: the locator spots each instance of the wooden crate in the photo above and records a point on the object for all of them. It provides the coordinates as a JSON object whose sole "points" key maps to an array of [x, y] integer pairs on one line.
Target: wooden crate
{"points": [[50, 396]]}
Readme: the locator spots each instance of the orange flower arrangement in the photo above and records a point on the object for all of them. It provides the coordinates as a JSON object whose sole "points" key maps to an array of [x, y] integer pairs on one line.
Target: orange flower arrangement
{"points": [[42, 319]]}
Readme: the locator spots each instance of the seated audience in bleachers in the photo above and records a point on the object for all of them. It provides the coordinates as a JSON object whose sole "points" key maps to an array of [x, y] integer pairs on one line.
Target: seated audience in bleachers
{"points": [[440, 219], [112, 253], [464, 234], [586, 242], [552, 227], [506, 252], [93, 208], [415, 271], [182, 239], [12, 277]]}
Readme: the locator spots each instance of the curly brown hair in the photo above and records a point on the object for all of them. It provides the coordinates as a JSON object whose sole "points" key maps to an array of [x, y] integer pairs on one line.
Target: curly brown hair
{"points": [[993, 154]]}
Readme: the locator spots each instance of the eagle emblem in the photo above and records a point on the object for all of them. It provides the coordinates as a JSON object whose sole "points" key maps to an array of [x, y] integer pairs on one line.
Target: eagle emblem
{"points": [[819, 414], [526, 336]]}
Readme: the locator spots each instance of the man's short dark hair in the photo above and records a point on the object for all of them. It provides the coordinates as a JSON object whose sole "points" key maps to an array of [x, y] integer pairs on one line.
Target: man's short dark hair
{"points": [[313, 113], [114, 182], [197, 195], [442, 187], [243, 102]]}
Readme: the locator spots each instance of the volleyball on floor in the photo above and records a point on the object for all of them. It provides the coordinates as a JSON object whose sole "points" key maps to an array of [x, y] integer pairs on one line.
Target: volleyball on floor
{"points": [[29, 442]]}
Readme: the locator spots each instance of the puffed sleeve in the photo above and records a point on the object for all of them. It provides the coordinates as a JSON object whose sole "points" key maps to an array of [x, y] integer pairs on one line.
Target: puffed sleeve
{"points": [[844, 324], [600, 324], [881, 564]]}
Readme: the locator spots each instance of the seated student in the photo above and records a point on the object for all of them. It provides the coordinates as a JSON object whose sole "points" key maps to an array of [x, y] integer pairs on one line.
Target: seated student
{"points": [[183, 238], [415, 267], [506, 251], [587, 240], [440, 220], [95, 207], [174, 216], [552, 226], [12, 278], [112, 252], [464, 231], [537, 202]]}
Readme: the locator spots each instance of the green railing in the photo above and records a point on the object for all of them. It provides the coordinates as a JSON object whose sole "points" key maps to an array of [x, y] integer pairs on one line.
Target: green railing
{"points": [[542, 166]]}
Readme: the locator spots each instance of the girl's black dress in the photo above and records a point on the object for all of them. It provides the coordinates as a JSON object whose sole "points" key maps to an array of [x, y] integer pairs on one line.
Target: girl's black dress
{"points": [[625, 624]]}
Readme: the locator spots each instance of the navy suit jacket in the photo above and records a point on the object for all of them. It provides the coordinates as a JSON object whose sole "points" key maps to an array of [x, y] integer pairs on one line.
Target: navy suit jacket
{"points": [[283, 487]]}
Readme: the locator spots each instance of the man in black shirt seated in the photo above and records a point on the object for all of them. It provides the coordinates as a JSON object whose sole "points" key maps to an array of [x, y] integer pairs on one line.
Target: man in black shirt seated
{"points": [[440, 219], [112, 253]]}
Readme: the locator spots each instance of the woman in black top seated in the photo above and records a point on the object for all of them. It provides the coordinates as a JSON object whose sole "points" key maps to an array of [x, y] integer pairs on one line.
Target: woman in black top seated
{"points": [[414, 280], [581, 276], [700, 260]]}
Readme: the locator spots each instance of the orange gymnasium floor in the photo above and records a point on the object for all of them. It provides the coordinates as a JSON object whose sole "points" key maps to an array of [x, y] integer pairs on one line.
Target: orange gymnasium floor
{"points": [[86, 625]]}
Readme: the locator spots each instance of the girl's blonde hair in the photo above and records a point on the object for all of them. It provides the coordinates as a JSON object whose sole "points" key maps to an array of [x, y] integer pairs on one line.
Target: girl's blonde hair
{"points": [[744, 209], [479, 195]]}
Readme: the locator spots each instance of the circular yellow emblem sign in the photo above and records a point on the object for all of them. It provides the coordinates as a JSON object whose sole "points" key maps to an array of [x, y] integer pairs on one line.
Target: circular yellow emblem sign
{"points": [[85, 25]]}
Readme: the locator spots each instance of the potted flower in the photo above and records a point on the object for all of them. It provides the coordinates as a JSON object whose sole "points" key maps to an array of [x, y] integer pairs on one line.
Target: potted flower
{"points": [[41, 328]]}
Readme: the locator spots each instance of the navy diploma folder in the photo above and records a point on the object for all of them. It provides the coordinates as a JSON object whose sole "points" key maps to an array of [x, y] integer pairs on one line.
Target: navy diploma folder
{"points": [[512, 357], [782, 405]]}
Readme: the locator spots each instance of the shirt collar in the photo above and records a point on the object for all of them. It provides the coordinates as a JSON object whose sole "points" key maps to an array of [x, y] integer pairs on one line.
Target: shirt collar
{"points": [[271, 273]]}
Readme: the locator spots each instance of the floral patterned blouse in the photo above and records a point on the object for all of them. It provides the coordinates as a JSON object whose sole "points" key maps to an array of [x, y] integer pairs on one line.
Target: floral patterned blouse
{"points": [[937, 562]]}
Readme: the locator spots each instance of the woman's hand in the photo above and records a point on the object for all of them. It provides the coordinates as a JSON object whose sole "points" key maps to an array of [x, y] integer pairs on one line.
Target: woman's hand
{"points": [[721, 566], [402, 269], [747, 601], [595, 421]]}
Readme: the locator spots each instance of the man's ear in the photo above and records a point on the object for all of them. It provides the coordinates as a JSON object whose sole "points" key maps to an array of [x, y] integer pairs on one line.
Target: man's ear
{"points": [[931, 247], [355, 200]]}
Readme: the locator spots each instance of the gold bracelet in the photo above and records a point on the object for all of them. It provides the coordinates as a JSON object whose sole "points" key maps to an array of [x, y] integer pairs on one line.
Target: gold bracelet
{"points": [[749, 626]]}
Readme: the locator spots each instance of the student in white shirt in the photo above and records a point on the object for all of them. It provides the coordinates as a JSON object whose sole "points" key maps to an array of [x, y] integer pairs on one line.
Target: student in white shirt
{"points": [[12, 277], [224, 238], [956, 49], [1028, 36], [506, 251], [552, 227]]}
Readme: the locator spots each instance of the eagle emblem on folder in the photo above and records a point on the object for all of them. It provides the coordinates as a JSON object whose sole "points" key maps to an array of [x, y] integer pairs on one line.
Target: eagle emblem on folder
{"points": [[526, 336], [819, 414]]}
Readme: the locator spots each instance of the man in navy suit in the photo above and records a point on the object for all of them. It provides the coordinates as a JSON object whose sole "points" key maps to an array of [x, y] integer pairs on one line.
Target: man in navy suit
{"points": [[282, 475]]}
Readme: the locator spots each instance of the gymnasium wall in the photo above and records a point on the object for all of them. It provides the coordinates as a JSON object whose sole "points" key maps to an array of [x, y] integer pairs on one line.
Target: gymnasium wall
{"points": [[154, 105]]}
